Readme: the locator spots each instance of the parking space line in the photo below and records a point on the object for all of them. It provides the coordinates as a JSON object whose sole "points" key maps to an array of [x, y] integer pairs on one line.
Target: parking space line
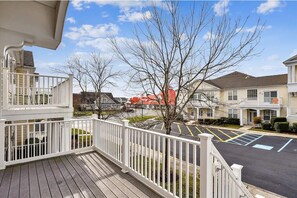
{"points": [[198, 130], [154, 127], [247, 138], [162, 126], [234, 133], [284, 145], [179, 128], [234, 137], [190, 130], [254, 140], [224, 133], [214, 134]]}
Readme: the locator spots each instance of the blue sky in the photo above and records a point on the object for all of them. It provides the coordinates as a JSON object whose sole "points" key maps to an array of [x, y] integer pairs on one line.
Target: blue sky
{"points": [[89, 22]]}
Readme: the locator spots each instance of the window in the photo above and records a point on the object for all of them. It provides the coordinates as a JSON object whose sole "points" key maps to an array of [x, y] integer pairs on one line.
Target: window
{"points": [[268, 114], [209, 113], [210, 95], [232, 95], [269, 96], [232, 113], [201, 112], [252, 94], [195, 96]]}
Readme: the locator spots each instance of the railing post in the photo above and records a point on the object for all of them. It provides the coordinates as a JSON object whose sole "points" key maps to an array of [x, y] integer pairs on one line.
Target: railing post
{"points": [[2, 144], [206, 181], [70, 95], [125, 147], [5, 88], [66, 142], [96, 135], [236, 168]]}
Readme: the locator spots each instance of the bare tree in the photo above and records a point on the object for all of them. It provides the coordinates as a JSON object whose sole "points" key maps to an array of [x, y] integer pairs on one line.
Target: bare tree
{"points": [[95, 72], [181, 49]]}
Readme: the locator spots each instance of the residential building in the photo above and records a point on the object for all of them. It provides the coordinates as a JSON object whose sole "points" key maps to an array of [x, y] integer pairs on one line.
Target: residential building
{"points": [[291, 64], [239, 95], [121, 100], [87, 101]]}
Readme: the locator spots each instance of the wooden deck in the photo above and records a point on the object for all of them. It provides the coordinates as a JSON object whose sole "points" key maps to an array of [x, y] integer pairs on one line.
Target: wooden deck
{"points": [[83, 175]]}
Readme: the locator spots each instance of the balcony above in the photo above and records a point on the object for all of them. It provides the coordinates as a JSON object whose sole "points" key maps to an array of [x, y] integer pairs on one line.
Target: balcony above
{"points": [[34, 94], [271, 102], [292, 87]]}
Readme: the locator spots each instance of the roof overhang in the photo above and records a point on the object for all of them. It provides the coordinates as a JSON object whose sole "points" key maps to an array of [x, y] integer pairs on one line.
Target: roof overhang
{"points": [[38, 23], [290, 61]]}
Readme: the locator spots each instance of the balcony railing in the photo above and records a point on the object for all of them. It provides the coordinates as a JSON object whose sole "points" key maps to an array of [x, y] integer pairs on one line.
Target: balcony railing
{"points": [[167, 164], [33, 90]]}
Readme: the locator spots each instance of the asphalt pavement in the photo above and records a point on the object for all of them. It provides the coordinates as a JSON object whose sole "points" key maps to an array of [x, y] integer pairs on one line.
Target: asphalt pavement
{"points": [[270, 162]]}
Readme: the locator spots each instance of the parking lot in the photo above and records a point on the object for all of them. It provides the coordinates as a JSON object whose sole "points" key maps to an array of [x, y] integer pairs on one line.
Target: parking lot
{"points": [[235, 137]]}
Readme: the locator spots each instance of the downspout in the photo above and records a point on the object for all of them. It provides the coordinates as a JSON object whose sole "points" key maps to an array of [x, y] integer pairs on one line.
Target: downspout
{"points": [[6, 51]]}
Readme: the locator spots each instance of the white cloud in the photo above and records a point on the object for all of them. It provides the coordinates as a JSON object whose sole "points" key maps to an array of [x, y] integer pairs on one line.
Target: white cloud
{"points": [[268, 6], [135, 16], [81, 4], [71, 20], [90, 31], [273, 57], [221, 7], [209, 36], [253, 28]]}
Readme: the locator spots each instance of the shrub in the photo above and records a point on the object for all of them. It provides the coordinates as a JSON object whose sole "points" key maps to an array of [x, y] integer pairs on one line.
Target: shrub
{"points": [[225, 120], [200, 121], [266, 126], [210, 121], [257, 120], [294, 127], [281, 126], [277, 119]]}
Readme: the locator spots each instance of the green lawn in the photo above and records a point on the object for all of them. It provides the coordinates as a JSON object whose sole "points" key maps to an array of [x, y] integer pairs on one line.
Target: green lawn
{"points": [[83, 136], [136, 119], [231, 126]]}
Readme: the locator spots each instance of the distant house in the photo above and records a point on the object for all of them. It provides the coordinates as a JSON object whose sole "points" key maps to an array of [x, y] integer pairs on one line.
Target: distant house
{"points": [[121, 100], [87, 101]]}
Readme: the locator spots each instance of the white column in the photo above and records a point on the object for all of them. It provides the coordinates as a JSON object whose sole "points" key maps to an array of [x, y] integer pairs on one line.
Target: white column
{"points": [[2, 144], [241, 117], [293, 71], [236, 168], [258, 112], [197, 109], [206, 184], [278, 113], [5, 88], [125, 147], [289, 74], [213, 112]]}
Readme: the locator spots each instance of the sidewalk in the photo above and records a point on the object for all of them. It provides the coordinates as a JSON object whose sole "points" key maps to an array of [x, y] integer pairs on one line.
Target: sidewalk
{"points": [[261, 193]]}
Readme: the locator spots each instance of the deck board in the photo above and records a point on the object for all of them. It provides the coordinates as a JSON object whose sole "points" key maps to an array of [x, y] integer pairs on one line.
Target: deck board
{"points": [[82, 175]]}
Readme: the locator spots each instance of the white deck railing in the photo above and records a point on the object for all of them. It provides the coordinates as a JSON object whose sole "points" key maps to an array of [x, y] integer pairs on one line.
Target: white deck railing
{"points": [[167, 164], [33, 90]]}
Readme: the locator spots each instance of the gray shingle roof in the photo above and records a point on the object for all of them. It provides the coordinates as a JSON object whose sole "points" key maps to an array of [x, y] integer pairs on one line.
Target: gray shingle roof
{"points": [[238, 79]]}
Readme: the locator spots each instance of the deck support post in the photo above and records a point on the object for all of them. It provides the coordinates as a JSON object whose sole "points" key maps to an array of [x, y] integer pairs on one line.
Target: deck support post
{"points": [[125, 147], [66, 142], [2, 144], [206, 183]]}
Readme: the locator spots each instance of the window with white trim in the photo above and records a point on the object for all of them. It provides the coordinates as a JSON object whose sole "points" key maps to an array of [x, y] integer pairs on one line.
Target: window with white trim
{"points": [[232, 95], [268, 114], [269, 96], [209, 113], [232, 113], [252, 94]]}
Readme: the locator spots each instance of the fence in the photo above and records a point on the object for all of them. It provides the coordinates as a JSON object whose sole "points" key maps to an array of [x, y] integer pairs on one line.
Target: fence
{"points": [[167, 164]]}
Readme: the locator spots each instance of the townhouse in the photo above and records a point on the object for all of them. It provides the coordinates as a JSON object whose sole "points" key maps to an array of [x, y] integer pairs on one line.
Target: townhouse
{"points": [[242, 96]]}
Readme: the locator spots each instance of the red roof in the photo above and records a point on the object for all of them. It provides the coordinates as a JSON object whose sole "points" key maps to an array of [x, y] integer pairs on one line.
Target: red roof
{"points": [[153, 99]]}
